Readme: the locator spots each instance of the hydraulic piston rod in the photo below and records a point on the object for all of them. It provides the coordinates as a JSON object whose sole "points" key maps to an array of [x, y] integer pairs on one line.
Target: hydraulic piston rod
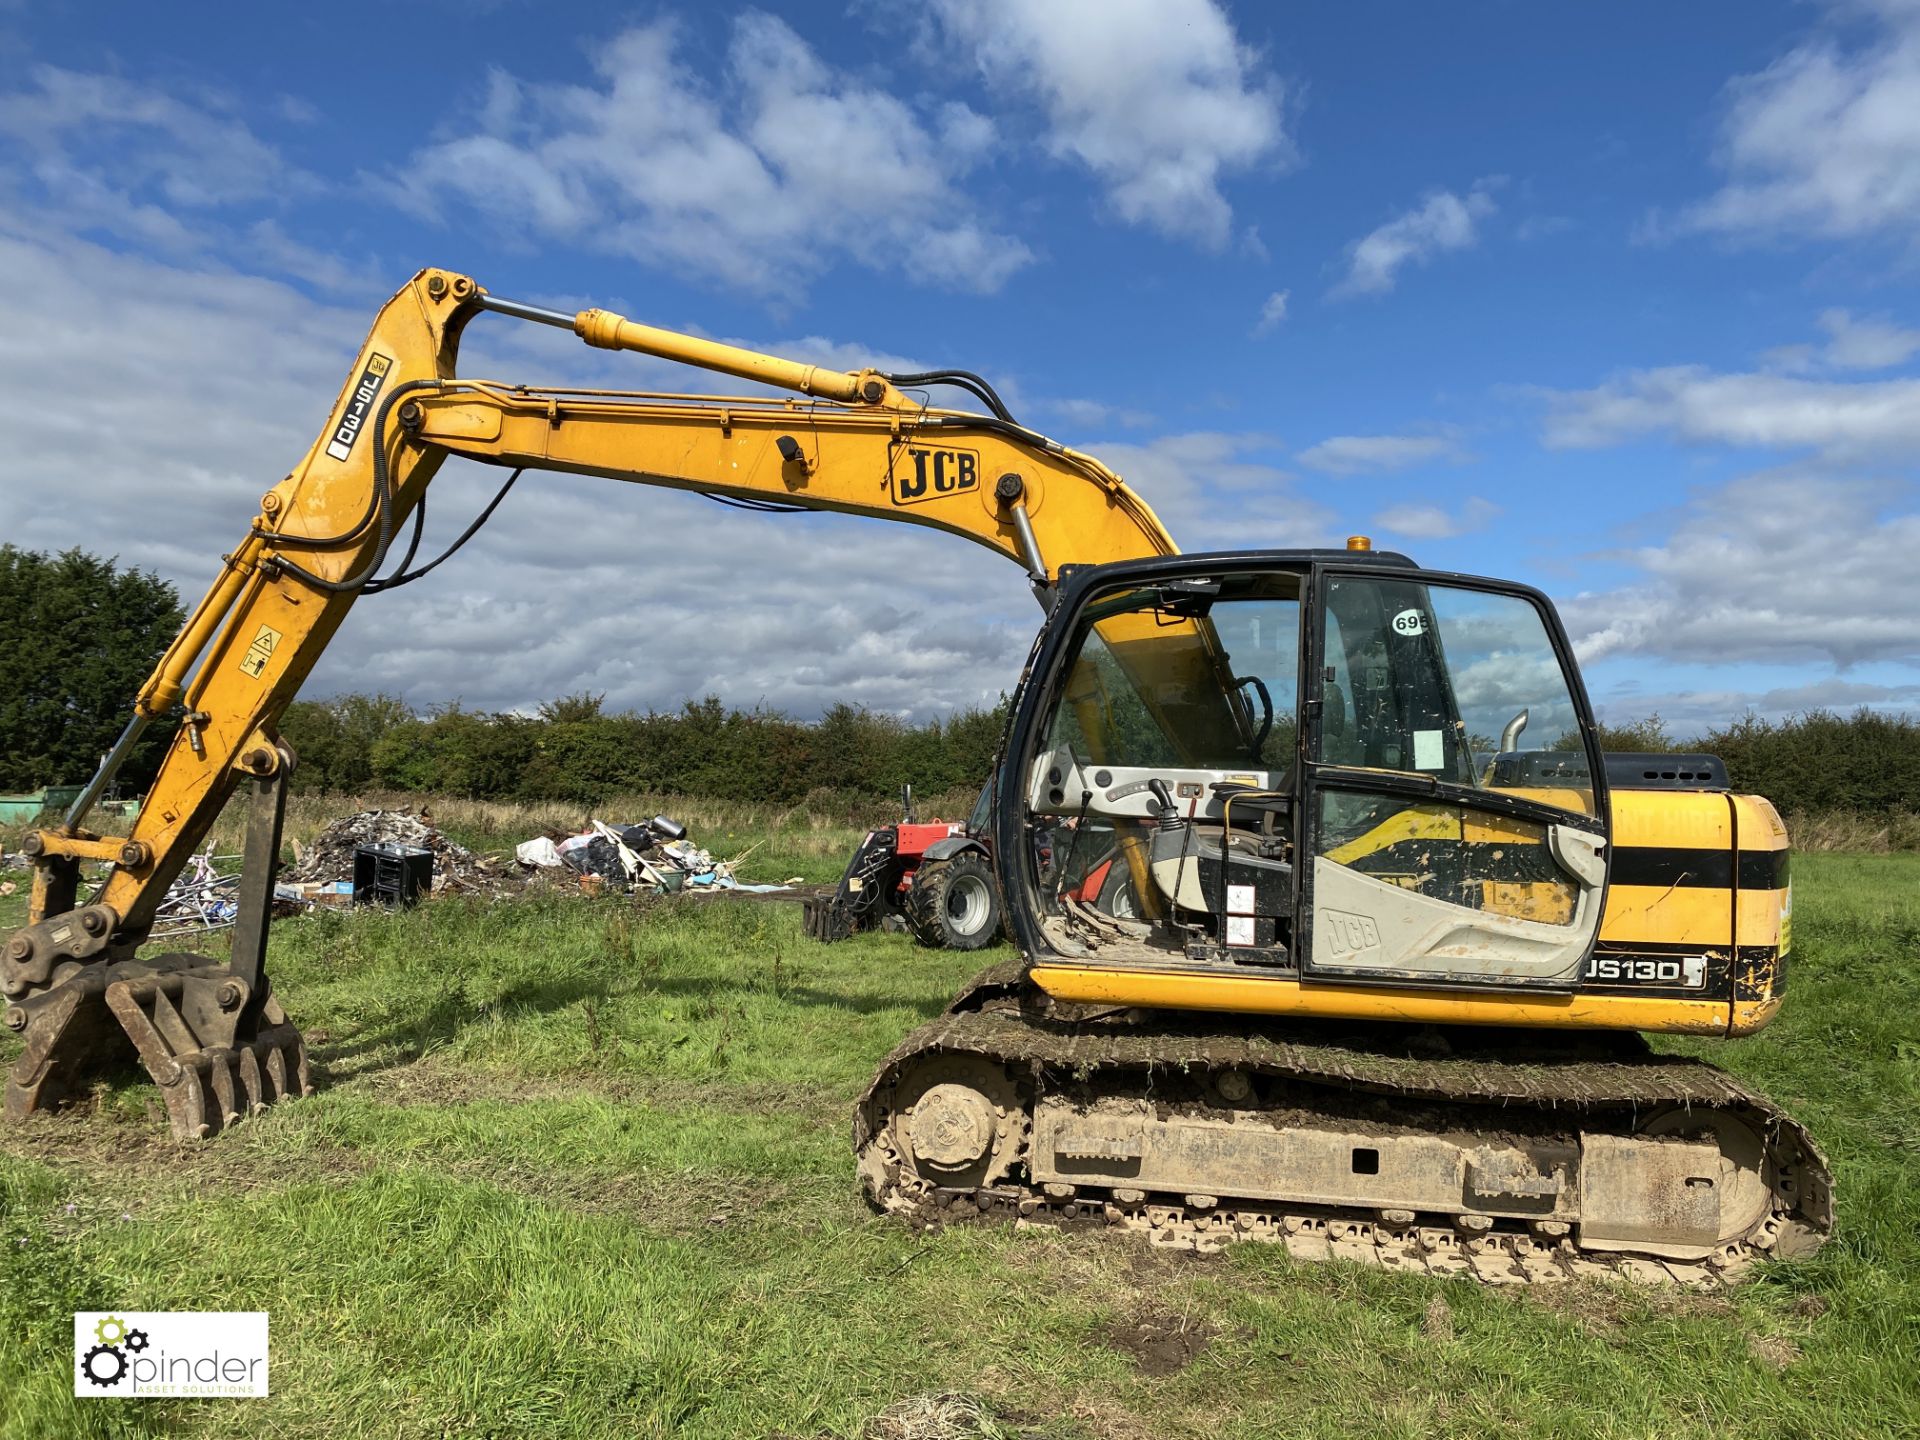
{"points": [[608, 331]]}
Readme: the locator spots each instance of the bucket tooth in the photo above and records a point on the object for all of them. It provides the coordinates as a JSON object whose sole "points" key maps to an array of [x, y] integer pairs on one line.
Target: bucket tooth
{"points": [[186, 1101], [221, 1073], [250, 1083]]}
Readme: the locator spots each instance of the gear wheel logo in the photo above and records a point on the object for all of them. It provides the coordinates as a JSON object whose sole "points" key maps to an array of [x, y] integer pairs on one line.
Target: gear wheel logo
{"points": [[104, 1365], [136, 1340], [109, 1329]]}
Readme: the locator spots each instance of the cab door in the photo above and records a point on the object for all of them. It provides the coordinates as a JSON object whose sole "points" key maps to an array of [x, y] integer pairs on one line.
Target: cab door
{"points": [[1453, 804]]}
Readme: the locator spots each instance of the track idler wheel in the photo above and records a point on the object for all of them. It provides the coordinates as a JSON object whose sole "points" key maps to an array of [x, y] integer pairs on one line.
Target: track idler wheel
{"points": [[951, 1122], [216, 1051]]}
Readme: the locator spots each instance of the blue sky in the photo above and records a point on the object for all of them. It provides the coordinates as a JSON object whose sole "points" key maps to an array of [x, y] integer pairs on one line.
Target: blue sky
{"points": [[1618, 301]]}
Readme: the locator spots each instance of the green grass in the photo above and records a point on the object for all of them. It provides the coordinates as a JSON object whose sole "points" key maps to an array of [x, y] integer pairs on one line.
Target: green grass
{"points": [[583, 1170]]}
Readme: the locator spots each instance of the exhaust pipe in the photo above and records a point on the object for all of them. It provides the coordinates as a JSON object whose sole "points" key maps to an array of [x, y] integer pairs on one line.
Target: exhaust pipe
{"points": [[1510, 737]]}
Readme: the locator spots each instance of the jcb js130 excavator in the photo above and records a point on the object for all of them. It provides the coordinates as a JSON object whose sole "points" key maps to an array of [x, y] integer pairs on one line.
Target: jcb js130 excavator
{"points": [[1363, 974]]}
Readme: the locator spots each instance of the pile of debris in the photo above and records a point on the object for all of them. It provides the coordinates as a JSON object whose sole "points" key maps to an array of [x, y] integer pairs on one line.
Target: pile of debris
{"points": [[205, 897], [655, 855], [200, 898], [329, 859]]}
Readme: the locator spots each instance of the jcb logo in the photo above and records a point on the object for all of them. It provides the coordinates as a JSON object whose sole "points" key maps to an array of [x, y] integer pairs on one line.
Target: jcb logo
{"points": [[1346, 933], [929, 474]]}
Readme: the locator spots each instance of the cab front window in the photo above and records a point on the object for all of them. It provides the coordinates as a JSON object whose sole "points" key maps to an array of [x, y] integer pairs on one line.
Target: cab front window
{"points": [[1457, 685]]}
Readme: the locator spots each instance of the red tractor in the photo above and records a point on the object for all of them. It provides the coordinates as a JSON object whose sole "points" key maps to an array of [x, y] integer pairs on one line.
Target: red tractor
{"points": [[934, 880]]}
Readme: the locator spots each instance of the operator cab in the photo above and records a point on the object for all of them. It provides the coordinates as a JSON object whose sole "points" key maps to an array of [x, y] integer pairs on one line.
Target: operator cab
{"points": [[1305, 764]]}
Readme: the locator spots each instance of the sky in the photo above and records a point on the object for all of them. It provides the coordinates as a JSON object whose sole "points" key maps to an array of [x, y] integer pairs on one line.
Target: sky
{"points": [[1621, 301]]}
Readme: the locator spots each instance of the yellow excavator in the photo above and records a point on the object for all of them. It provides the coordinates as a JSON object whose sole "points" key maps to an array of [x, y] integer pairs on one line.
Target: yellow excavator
{"points": [[1312, 948]]}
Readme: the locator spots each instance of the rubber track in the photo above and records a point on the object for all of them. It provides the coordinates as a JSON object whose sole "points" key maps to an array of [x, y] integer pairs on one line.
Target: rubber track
{"points": [[1574, 1075]]}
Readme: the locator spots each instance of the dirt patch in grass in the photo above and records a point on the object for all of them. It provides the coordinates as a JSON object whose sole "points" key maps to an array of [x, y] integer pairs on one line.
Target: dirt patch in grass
{"points": [[937, 1417], [946, 1415], [1149, 1266], [683, 1205], [1776, 1352], [141, 1159], [1159, 1342]]}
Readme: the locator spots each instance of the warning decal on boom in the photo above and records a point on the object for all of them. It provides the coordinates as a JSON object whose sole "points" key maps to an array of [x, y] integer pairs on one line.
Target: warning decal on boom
{"points": [[260, 651]]}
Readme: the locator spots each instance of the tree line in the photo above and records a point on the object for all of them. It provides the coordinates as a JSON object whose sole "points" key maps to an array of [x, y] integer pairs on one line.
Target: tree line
{"points": [[83, 633], [574, 749], [1865, 763]]}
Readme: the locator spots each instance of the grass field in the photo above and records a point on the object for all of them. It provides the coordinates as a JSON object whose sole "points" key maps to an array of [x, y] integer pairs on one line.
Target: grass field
{"points": [[582, 1169]]}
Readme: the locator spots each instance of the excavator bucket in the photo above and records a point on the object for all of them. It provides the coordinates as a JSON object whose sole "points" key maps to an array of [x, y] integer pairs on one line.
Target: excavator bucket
{"points": [[184, 1017], [211, 1034]]}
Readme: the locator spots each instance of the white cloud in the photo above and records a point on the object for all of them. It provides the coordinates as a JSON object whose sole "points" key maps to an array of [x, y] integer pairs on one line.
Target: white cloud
{"points": [[189, 156], [1541, 227], [181, 175], [272, 248], [158, 402], [1826, 140], [758, 180], [1806, 563], [1872, 343], [1432, 522], [1272, 313], [109, 154], [1442, 222], [1785, 566], [1158, 98], [1089, 414], [1693, 404], [1377, 454], [1212, 492]]}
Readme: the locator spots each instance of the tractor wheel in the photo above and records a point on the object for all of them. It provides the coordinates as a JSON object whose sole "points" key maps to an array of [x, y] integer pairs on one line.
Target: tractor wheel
{"points": [[954, 903]]}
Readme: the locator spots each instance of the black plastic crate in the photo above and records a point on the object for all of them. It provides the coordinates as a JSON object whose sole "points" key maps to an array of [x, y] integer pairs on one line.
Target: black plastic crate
{"points": [[391, 874]]}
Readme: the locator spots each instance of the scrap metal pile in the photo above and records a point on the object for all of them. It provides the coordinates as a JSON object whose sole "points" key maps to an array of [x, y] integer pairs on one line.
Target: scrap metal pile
{"points": [[202, 898], [205, 897]]}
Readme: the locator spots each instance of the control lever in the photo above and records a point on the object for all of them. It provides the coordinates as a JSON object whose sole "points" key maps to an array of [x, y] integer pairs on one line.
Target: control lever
{"points": [[1165, 811]]}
